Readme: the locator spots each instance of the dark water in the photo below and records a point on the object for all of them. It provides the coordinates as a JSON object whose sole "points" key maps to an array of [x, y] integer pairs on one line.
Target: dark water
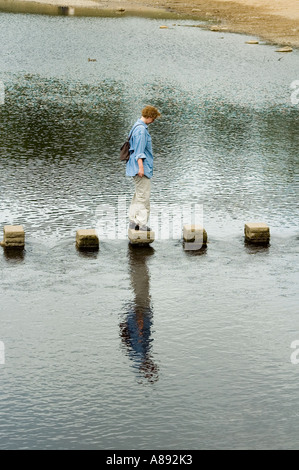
{"points": [[148, 348]]}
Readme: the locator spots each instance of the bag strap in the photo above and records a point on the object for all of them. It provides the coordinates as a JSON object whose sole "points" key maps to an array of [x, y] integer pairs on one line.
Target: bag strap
{"points": [[133, 130]]}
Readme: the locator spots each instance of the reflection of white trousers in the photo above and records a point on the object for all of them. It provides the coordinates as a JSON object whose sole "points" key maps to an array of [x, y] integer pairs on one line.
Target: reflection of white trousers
{"points": [[140, 206]]}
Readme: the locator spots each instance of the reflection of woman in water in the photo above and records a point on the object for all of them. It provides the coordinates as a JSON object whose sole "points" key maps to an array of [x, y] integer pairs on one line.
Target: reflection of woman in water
{"points": [[135, 330]]}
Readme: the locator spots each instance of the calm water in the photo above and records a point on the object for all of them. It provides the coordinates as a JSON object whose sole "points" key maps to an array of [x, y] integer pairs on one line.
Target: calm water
{"points": [[149, 348]]}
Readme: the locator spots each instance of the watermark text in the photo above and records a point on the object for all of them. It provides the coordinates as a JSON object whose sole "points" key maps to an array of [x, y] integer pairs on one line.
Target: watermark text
{"points": [[295, 94], [165, 220], [295, 354], [2, 353], [2, 92]]}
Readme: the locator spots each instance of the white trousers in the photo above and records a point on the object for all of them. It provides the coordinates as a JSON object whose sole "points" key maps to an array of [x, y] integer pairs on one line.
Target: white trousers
{"points": [[140, 206]]}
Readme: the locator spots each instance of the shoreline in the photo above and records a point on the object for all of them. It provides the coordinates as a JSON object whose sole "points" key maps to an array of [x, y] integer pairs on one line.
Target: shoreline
{"points": [[274, 22]]}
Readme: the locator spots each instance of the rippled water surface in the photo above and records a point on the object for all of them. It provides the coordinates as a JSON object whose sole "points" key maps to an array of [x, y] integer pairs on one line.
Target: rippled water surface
{"points": [[147, 348]]}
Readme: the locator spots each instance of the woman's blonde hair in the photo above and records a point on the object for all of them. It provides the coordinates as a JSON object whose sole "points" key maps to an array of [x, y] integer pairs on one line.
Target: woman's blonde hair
{"points": [[150, 112]]}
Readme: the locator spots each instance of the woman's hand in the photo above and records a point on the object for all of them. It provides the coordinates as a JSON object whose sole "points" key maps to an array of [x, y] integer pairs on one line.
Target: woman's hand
{"points": [[141, 169]]}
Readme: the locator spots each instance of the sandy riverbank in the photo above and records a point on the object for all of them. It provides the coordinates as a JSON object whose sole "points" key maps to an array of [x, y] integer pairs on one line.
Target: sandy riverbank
{"points": [[276, 21]]}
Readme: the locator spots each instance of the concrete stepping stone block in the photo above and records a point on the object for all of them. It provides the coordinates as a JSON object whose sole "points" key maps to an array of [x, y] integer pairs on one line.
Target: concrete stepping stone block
{"points": [[257, 232], [194, 232], [13, 236], [285, 49], [87, 238], [219, 28], [195, 237], [140, 237]]}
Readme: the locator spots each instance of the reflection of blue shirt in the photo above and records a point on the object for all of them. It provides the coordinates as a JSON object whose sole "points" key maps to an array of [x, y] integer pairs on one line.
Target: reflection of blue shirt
{"points": [[139, 330], [140, 147]]}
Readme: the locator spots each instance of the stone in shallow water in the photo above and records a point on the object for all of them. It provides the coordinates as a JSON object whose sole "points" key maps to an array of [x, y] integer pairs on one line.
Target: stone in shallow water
{"points": [[257, 232], [87, 238], [14, 236], [195, 233], [194, 237], [285, 49], [219, 28], [139, 237]]}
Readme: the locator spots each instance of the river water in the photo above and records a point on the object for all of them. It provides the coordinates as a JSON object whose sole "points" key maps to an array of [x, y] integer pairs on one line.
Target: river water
{"points": [[147, 348]]}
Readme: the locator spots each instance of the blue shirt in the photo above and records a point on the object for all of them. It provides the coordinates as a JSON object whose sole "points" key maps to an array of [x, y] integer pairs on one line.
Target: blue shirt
{"points": [[140, 147]]}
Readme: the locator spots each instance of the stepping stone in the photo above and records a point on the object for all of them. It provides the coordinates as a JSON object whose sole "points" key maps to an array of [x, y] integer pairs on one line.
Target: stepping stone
{"points": [[257, 232], [139, 237], [285, 49], [87, 238], [195, 237], [216, 28], [13, 236]]}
